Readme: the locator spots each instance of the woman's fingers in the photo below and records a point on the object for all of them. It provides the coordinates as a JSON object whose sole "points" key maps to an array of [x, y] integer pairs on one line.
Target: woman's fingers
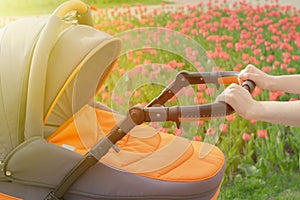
{"points": [[238, 98]]}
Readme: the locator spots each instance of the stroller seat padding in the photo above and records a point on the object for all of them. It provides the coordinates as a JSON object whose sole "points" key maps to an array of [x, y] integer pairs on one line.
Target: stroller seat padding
{"points": [[153, 156]]}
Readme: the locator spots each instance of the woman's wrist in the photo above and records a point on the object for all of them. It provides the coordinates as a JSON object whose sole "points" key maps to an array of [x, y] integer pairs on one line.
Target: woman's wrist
{"points": [[270, 82], [255, 111]]}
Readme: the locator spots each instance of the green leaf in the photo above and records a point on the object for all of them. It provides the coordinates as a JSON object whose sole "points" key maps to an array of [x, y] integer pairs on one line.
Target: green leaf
{"points": [[249, 170]]}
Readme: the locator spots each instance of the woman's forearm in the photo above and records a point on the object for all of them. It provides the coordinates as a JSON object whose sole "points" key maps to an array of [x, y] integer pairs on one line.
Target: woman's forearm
{"points": [[287, 113], [285, 83]]}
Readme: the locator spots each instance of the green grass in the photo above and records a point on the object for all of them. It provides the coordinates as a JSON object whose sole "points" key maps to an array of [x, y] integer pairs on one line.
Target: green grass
{"points": [[37, 7], [275, 186]]}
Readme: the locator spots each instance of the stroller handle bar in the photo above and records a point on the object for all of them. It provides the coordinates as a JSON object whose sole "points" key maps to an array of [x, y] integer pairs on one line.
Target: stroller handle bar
{"points": [[185, 78], [155, 111], [83, 12]]}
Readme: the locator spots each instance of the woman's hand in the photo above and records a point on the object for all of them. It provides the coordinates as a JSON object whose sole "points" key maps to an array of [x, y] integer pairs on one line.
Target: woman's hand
{"points": [[260, 78], [240, 100]]}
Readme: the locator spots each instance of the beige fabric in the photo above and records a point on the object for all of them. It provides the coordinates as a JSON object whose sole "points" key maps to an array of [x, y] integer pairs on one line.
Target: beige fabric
{"points": [[38, 76], [41, 61], [75, 69], [17, 41]]}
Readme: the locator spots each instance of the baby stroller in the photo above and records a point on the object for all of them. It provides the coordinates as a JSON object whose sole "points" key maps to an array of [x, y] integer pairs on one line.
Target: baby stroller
{"points": [[50, 69]]}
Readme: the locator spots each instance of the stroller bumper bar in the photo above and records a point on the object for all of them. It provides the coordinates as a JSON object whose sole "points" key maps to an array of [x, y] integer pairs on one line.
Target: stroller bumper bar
{"points": [[155, 112]]}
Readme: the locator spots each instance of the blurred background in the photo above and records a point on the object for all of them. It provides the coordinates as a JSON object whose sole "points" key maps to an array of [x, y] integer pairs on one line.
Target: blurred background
{"points": [[36, 7]]}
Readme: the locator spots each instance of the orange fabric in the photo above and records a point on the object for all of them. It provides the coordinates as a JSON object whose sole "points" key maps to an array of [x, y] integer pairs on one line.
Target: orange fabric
{"points": [[228, 80], [144, 151], [6, 197]]}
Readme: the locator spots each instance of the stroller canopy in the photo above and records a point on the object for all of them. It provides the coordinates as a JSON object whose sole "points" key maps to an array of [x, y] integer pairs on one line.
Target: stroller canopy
{"points": [[45, 64]]}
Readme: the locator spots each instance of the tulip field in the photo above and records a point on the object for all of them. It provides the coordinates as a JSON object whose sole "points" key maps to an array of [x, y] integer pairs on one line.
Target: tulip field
{"points": [[267, 36], [210, 37], [160, 41]]}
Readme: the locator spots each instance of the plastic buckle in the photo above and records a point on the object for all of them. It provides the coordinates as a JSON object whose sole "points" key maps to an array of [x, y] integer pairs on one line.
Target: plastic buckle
{"points": [[51, 196], [116, 148]]}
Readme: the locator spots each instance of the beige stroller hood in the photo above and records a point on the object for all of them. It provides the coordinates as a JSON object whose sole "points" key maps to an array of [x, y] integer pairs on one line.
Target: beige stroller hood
{"points": [[45, 64], [50, 70]]}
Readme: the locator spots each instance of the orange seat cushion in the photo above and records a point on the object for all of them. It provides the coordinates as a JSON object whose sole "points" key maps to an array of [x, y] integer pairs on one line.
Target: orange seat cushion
{"points": [[7, 197], [143, 151]]}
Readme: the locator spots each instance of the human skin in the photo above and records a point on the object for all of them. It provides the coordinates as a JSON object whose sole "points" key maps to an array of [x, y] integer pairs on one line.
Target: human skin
{"points": [[287, 113]]}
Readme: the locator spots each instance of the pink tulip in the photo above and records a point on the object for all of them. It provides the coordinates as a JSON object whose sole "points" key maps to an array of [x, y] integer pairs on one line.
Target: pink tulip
{"points": [[276, 63], [164, 130], [230, 118], [178, 132], [262, 133], [239, 66], [120, 100], [266, 69], [136, 60], [238, 47], [254, 61], [154, 75], [194, 32], [270, 58], [145, 72], [229, 45], [200, 123], [223, 128], [180, 64], [210, 91], [295, 58], [283, 66], [201, 87], [211, 131], [253, 121], [189, 92], [173, 64], [197, 138], [293, 99], [128, 94], [257, 91], [246, 136], [291, 70], [105, 95], [236, 69], [122, 71], [256, 52], [274, 46], [198, 100], [273, 96], [204, 100], [137, 94], [245, 56]]}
